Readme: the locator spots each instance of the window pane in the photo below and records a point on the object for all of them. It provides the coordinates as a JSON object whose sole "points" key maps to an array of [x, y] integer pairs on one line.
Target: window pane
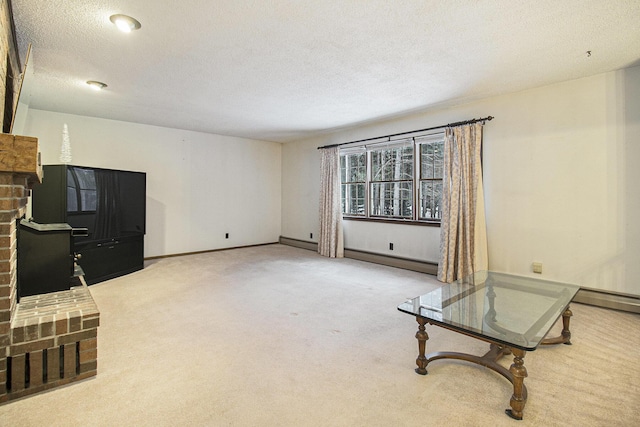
{"points": [[438, 159], [354, 199], [362, 199], [430, 199], [356, 172], [392, 164], [431, 159], [377, 162], [407, 163], [426, 158], [353, 168], [353, 174], [393, 199]]}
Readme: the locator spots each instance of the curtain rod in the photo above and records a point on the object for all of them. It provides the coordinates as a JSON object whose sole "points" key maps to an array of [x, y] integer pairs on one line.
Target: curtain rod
{"points": [[466, 122]]}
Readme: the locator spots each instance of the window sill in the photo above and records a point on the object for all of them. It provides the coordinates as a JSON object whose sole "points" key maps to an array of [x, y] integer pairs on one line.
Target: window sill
{"points": [[393, 221]]}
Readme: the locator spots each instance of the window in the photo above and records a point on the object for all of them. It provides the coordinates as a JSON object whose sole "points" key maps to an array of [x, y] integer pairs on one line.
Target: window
{"points": [[353, 175], [391, 186], [431, 169], [399, 180]]}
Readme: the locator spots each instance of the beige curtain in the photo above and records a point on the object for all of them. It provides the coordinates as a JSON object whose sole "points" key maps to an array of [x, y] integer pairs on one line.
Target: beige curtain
{"points": [[330, 243], [463, 233]]}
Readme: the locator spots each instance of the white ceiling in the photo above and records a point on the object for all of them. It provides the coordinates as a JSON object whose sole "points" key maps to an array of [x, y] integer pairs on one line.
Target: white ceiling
{"points": [[282, 70]]}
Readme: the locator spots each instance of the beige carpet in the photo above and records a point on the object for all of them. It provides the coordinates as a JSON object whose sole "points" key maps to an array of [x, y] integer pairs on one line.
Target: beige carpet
{"points": [[279, 336]]}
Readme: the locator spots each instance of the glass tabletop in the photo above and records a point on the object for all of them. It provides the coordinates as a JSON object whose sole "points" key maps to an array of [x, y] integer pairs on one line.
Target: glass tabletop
{"points": [[513, 310]]}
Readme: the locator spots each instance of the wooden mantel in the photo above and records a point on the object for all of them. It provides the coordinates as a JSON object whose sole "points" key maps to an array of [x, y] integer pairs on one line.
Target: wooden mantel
{"points": [[20, 155]]}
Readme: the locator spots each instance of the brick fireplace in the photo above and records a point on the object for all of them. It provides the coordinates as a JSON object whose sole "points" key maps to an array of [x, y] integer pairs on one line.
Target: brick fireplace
{"points": [[45, 340]]}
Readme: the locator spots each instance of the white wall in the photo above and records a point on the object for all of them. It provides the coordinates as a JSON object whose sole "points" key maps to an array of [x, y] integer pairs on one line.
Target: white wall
{"points": [[561, 182], [199, 186]]}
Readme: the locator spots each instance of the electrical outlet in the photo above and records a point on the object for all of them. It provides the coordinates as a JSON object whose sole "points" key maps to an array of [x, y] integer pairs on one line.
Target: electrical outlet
{"points": [[226, 235], [537, 267], [390, 246], [311, 235]]}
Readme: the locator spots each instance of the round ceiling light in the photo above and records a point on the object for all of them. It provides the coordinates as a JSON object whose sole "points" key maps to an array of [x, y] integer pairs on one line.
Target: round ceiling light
{"points": [[125, 23], [95, 85]]}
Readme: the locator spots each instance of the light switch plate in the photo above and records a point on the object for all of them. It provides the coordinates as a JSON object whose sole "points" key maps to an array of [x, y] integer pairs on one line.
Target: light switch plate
{"points": [[537, 267]]}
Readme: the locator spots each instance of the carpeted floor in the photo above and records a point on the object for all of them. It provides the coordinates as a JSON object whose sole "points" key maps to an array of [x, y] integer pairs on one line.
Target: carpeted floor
{"points": [[279, 336]]}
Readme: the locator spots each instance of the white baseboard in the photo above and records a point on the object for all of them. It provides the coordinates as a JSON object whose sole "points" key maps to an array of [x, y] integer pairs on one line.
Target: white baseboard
{"points": [[404, 263]]}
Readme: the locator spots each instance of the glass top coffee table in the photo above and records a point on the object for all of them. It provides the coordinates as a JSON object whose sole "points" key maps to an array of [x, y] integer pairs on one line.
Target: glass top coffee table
{"points": [[513, 313]]}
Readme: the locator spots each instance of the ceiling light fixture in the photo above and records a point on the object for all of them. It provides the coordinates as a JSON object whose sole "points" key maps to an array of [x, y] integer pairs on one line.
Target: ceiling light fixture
{"points": [[125, 23], [95, 85]]}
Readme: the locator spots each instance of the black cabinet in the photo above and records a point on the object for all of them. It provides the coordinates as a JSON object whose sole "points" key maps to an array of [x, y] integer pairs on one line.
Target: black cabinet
{"points": [[106, 259], [110, 204], [44, 257]]}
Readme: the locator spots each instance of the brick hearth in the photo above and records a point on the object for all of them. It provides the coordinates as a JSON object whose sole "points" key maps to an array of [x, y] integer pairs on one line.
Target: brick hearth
{"points": [[46, 340]]}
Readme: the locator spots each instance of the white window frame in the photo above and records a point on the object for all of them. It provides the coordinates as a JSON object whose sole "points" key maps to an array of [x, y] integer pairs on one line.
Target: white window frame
{"points": [[417, 142], [421, 141], [345, 201]]}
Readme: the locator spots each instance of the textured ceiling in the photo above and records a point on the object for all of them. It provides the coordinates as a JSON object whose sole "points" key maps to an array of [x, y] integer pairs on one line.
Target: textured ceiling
{"points": [[282, 70]]}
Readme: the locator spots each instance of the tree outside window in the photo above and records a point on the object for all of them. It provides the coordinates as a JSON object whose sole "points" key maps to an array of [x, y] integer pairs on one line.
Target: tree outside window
{"points": [[392, 182], [388, 181], [431, 168], [353, 175]]}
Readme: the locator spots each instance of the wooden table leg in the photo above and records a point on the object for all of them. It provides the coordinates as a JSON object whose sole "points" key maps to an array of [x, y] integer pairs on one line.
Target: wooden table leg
{"points": [[519, 372], [566, 333], [565, 337], [422, 337]]}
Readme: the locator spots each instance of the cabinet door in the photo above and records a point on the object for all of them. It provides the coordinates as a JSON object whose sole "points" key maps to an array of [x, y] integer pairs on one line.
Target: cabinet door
{"points": [[111, 258], [44, 258]]}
